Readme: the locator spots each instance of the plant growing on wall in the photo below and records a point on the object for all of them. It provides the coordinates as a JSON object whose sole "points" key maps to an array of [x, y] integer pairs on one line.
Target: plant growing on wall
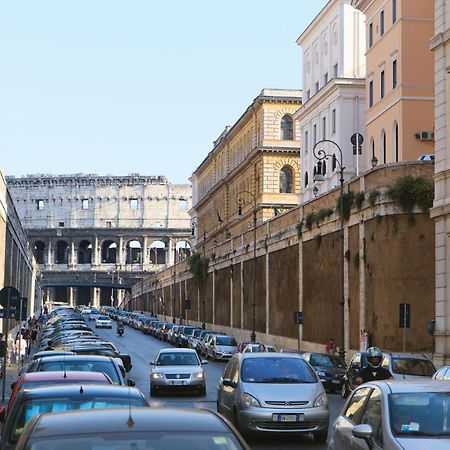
{"points": [[323, 213], [199, 269], [347, 199], [373, 197], [359, 199], [409, 191], [310, 219], [299, 228], [318, 239]]}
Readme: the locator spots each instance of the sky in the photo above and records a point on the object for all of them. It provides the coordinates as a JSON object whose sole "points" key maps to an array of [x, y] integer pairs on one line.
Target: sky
{"points": [[136, 86]]}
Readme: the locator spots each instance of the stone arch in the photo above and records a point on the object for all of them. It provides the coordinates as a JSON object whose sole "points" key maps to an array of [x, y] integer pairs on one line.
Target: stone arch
{"points": [[84, 252], [109, 252], [158, 250], [39, 251], [133, 252], [62, 252]]}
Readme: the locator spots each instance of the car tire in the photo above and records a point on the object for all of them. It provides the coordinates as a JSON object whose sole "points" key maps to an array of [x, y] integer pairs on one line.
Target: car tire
{"points": [[153, 391], [202, 391], [321, 437]]}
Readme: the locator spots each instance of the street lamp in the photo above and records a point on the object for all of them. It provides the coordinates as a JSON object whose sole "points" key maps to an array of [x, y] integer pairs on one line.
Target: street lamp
{"points": [[194, 224], [321, 155], [241, 201], [374, 161]]}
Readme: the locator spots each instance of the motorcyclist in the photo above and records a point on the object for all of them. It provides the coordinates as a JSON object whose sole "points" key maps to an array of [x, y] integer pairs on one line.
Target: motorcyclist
{"points": [[373, 371], [120, 328]]}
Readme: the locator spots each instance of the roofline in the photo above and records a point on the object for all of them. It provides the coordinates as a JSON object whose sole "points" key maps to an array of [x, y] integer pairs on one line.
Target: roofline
{"points": [[311, 25]]}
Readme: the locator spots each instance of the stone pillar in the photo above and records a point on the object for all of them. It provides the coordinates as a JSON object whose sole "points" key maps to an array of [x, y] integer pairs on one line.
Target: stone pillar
{"points": [[267, 293], [96, 257], [145, 256], [231, 295], [72, 254], [347, 323], [242, 294], [96, 297], [49, 252], [119, 255], [71, 302], [362, 278], [213, 296], [170, 253], [300, 290]]}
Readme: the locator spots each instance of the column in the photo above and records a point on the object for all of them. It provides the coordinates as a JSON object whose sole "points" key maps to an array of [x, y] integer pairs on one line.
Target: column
{"points": [[362, 278], [120, 259], [96, 297], [72, 254], [96, 258], [300, 290], [242, 294], [267, 293], [231, 294], [346, 294], [145, 257], [71, 303], [213, 296], [170, 251], [49, 252]]}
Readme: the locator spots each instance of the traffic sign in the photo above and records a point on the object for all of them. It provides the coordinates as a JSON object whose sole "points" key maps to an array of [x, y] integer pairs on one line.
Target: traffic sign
{"points": [[405, 315], [298, 317], [14, 297], [357, 140]]}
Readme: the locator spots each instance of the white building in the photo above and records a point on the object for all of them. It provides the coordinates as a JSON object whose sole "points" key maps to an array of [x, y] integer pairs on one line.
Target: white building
{"points": [[333, 106]]}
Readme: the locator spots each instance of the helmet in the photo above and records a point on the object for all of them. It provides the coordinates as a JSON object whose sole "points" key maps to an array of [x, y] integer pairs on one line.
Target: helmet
{"points": [[374, 357]]}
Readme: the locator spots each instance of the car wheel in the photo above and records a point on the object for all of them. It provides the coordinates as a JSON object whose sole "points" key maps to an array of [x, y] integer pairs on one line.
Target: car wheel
{"points": [[153, 391], [202, 391], [321, 437], [344, 393]]}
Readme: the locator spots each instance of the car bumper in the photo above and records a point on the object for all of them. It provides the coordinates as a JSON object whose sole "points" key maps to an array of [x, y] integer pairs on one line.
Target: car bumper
{"points": [[331, 383], [190, 383], [103, 325], [268, 420], [222, 356]]}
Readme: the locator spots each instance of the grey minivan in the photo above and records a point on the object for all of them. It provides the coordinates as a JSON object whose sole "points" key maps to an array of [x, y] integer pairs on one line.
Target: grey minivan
{"points": [[273, 393]]}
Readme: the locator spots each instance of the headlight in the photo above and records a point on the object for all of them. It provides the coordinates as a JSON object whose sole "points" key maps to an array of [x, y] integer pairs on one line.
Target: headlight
{"points": [[157, 376], [250, 401], [320, 373], [199, 375], [321, 400]]}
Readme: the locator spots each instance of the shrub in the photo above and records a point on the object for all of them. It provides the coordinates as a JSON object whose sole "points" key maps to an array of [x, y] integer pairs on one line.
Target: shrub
{"points": [[299, 228], [347, 202], [310, 219], [323, 213], [409, 191], [373, 196], [359, 199], [199, 269], [318, 239]]}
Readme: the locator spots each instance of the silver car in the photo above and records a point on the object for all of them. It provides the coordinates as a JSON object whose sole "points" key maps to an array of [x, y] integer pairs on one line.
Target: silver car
{"points": [[221, 347], [273, 393], [389, 415], [176, 369]]}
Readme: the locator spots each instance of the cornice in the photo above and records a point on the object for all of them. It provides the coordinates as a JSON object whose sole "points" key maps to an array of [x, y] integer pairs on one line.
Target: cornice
{"points": [[362, 5], [440, 39]]}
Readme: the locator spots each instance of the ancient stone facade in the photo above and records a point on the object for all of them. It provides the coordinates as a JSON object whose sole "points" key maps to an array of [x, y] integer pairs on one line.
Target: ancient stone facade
{"points": [[94, 236]]}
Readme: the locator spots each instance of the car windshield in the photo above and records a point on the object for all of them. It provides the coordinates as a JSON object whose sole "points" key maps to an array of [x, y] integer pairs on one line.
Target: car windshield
{"points": [[277, 370], [90, 366], [326, 361], [188, 331], [31, 407], [413, 366], [197, 333], [132, 440], [33, 384], [177, 359], [420, 413], [226, 340], [103, 318]]}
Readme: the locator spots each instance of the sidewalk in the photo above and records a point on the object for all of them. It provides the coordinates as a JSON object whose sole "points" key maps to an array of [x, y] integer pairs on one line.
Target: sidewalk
{"points": [[11, 376]]}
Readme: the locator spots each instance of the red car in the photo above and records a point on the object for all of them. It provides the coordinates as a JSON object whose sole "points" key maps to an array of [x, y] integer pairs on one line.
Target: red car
{"points": [[41, 379]]}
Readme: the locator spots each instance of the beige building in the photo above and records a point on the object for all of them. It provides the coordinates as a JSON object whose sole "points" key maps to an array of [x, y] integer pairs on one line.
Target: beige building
{"points": [[400, 79], [440, 44], [259, 156]]}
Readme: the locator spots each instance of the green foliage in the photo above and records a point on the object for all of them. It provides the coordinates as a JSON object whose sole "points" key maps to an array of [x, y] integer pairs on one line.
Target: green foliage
{"points": [[409, 191], [347, 202], [373, 197], [299, 228], [359, 199], [310, 219], [199, 269], [318, 239], [323, 213]]}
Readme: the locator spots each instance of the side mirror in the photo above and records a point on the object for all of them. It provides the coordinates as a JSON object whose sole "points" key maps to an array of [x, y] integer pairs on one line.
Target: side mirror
{"points": [[364, 431], [152, 363], [228, 382], [131, 382], [204, 362]]}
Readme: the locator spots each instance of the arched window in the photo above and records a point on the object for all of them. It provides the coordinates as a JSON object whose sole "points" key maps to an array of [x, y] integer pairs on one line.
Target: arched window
{"points": [[84, 252], [134, 252], [306, 179], [286, 177], [39, 251], [334, 163], [183, 250], [395, 155], [62, 252], [109, 252], [287, 128], [158, 252], [383, 146]]}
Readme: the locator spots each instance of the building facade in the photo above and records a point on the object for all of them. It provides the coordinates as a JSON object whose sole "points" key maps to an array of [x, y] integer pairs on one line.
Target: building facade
{"points": [[333, 107], [95, 236], [255, 162], [400, 79], [440, 45]]}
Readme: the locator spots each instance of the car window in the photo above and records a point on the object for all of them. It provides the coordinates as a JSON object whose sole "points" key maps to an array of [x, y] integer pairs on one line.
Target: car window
{"points": [[439, 375], [355, 406], [234, 375], [385, 363], [412, 366], [372, 415], [177, 359], [326, 361], [228, 368], [225, 340], [446, 375]]}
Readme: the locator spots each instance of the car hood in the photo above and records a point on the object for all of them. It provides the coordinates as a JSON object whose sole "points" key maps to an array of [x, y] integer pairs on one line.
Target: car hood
{"points": [[283, 392], [418, 443], [177, 369], [226, 348]]}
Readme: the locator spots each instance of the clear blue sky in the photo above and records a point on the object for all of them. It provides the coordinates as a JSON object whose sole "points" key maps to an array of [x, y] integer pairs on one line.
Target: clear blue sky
{"points": [[109, 86]]}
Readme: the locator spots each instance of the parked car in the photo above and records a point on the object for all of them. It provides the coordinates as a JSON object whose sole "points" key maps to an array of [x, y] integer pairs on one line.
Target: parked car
{"points": [[94, 314], [184, 335], [195, 338], [442, 374], [394, 415], [163, 335], [62, 398], [102, 350], [273, 393], [177, 369], [156, 429], [329, 368], [255, 347], [172, 336], [103, 322], [426, 157], [241, 346], [203, 343], [221, 347]]}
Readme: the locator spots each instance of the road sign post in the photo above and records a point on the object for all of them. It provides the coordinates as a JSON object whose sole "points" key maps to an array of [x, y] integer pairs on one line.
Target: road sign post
{"points": [[405, 320]]}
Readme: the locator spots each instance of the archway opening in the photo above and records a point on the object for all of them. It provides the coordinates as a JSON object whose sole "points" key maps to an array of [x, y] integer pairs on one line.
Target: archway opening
{"points": [[39, 252], [109, 252], [62, 252], [134, 252], [158, 252], [85, 252]]}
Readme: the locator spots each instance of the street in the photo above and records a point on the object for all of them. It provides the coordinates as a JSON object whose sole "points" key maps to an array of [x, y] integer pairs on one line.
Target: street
{"points": [[144, 348]]}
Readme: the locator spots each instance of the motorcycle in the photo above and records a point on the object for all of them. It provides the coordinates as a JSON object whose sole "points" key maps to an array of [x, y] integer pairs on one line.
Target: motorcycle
{"points": [[120, 330]]}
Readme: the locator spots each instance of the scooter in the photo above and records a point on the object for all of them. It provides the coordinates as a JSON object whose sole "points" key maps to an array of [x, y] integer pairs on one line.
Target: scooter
{"points": [[120, 331]]}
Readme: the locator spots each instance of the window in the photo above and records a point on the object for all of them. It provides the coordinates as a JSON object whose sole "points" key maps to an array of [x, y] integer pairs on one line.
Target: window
{"points": [[287, 128], [381, 23], [286, 176], [133, 203], [383, 146], [40, 204], [182, 204], [355, 406], [61, 224], [382, 84], [394, 11], [108, 224], [325, 78], [317, 86], [306, 179], [305, 144], [372, 416], [324, 127], [370, 35], [333, 121], [335, 70], [370, 93], [314, 134], [396, 141], [394, 74], [85, 203]]}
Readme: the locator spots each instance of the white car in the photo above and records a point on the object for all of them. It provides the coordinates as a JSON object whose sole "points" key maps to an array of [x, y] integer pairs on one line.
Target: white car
{"points": [[103, 322], [255, 347]]}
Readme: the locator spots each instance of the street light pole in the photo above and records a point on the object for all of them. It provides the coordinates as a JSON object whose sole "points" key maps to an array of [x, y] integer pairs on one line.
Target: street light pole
{"points": [[241, 201], [322, 155], [174, 281]]}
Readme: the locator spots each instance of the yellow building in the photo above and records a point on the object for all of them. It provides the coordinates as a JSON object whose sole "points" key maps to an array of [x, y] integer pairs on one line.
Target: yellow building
{"points": [[258, 157], [400, 79]]}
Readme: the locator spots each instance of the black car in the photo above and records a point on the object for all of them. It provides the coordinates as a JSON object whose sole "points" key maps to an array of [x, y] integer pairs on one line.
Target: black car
{"points": [[183, 337], [143, 428], [329, 368]]}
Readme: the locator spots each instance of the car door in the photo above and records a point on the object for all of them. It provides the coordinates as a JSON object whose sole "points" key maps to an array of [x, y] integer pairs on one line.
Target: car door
{"points": [[342, 431], [372, 415], [227, 393]]}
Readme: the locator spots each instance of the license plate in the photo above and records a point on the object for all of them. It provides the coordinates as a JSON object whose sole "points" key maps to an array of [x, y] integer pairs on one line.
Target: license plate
{"points": [[288, 417], [336, 381], [177, 382]]}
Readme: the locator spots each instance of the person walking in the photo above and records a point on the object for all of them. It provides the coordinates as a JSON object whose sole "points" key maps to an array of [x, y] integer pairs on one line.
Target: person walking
{"points": [[3, 350], [331, 347]]}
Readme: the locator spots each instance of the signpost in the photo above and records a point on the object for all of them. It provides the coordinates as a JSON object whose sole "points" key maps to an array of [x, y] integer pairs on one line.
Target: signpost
{"points": [[9, 299], [298, 320], [405, 320]]}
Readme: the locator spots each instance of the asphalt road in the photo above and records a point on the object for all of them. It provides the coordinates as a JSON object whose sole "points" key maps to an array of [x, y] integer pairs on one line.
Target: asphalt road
{"points": [[144, 348]]}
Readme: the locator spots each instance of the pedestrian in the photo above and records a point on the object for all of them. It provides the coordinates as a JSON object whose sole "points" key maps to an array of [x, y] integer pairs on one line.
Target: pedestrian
{"points": [[10, 351], [33, 336], [331, 347], [49, 345], [2, 355], [261, 348]]}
